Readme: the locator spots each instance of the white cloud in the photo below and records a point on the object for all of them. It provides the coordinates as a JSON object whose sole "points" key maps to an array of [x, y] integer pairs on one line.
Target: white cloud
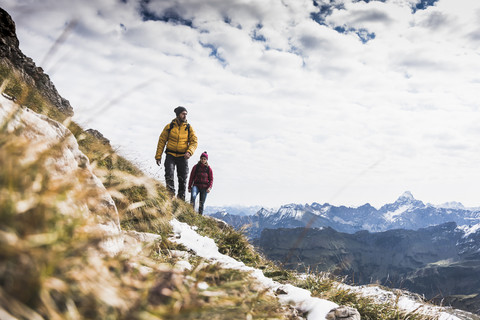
{"points": [[289, 110]]}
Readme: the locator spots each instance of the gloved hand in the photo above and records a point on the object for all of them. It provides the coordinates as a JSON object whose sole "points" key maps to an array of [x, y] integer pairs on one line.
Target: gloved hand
{"points": [[159, 162]]}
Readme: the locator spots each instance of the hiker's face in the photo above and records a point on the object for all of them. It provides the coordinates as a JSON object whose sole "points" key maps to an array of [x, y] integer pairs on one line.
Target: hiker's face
{"points": [[203, 160], [182, 116]]}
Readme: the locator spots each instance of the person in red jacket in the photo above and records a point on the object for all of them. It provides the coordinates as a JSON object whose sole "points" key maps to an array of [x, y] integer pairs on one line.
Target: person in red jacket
{"points": [[201, 180]]}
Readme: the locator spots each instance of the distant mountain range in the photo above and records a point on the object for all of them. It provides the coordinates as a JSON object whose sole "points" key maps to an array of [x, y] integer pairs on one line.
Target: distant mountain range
{"points": [[440, 262], [235, 210], [432, 250], [405, 213]]}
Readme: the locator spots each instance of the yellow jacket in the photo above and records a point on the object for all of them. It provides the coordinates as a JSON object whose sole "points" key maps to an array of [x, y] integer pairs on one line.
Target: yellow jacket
{"points": [[179, 139]]}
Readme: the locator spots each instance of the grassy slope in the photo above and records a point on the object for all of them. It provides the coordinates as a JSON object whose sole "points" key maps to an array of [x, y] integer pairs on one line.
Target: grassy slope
{"points": [[50, 268]]}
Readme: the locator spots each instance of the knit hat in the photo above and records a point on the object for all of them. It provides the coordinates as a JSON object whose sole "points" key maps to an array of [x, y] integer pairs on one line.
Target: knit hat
{"points": [[204, 154], [179, 110]]}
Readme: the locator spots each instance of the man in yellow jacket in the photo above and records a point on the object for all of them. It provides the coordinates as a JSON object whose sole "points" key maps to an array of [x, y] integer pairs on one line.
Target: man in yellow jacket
{"points": [[180, 141]]}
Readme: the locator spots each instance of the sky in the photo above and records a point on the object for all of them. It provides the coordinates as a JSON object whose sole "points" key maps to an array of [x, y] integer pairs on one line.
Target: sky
{"points": [[296, 101]]}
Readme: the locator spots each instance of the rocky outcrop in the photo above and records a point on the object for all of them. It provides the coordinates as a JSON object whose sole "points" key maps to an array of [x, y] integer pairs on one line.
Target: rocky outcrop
{"points": [[65, 163], [12, 56], [98, 135]]}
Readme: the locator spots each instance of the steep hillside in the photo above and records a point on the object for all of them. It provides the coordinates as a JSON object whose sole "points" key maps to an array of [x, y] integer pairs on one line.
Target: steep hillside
{"points": [[71, 250]]}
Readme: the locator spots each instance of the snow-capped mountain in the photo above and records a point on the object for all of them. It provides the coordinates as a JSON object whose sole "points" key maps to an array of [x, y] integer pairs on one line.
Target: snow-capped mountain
{"points": [[236, 210], [405, 213]]}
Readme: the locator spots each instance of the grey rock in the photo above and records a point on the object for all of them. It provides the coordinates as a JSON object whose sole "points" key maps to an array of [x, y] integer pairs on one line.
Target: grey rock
{"points": [[343, 313], [12, 56], [99, 136]]}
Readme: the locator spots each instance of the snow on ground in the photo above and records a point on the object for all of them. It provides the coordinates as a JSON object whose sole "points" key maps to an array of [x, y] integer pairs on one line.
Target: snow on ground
{"points": [[405, 301], [205, 247], [301, 299]]}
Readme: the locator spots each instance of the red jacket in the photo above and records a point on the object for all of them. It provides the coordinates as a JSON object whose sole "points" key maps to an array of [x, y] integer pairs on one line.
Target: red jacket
{"points": [[201, 176]]}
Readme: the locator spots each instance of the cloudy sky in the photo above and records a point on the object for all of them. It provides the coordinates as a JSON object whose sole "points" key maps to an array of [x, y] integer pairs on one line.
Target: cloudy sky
{"points": [[339, 101]]}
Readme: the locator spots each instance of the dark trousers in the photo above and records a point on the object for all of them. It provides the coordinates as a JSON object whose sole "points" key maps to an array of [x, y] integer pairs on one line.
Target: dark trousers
{"points": [[203, 196], [182, 171]]}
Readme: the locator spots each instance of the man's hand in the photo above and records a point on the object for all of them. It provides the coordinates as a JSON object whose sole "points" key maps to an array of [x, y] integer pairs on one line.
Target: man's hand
{"points": [[159, 162], [208, 190], [187, 155]]}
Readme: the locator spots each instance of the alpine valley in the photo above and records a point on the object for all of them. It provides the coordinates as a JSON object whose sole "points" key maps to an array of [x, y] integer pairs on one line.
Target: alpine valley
{"points": [[432, 250]]}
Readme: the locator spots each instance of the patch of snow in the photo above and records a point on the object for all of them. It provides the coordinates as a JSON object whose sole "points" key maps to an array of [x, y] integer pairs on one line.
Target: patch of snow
{"points": [[371, 227], [340, 220], [205, 247], [469, 229], [264, 212], [451, 205], [390, 215], [289, 211], [203, 286], [403, 300], [183, 265], [325, 210]]}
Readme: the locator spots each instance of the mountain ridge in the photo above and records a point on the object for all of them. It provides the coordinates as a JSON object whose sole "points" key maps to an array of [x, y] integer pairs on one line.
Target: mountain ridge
{"points": [[405, 213]]}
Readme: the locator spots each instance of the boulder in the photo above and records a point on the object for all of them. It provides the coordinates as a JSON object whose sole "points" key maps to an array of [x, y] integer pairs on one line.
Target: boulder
{"points": [[343, 313], [65, 163]]}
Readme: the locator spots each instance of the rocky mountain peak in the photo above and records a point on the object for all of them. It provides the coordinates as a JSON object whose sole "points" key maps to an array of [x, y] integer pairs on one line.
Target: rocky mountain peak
{"points": [[12, 56], [263, 212], [407, 195], [406, 199], [8, 34]]}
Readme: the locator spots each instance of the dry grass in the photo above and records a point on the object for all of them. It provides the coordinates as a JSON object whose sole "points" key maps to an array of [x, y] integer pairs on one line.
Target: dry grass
{"points": [[325, 286], [52, 266]]}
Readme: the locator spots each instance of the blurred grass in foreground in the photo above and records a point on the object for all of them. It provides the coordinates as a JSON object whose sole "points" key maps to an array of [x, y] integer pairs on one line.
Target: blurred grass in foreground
{"points": [[51, 265]]}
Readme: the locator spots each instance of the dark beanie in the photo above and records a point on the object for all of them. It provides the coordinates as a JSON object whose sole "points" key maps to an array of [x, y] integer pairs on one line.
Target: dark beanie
{"points": [[179, 110]]}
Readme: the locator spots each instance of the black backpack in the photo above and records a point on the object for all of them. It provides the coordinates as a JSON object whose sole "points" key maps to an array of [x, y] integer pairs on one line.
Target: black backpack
{"points": [[170, 129], [173, 123]]}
